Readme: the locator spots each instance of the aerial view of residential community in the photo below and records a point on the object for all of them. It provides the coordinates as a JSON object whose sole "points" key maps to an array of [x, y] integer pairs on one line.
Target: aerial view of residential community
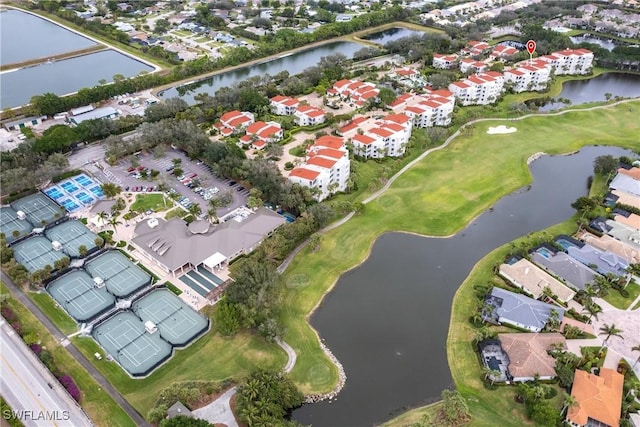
{"points": [[252, 213]]}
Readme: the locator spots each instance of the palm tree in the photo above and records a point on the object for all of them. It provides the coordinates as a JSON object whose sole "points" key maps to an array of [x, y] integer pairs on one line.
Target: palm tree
{"points": [[195, 209], [211, 216], [569, 402], [592, 309], [609, 331], [114, 223]]}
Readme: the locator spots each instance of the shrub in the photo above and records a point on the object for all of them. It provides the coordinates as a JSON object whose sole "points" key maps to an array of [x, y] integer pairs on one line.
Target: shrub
{"points": [[69, 384], [36, 348], [47, 358], [8, 314], [121, 244]]}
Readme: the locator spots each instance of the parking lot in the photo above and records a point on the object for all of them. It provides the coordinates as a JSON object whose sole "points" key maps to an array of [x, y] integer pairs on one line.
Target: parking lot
{"points": [[196, 176]]}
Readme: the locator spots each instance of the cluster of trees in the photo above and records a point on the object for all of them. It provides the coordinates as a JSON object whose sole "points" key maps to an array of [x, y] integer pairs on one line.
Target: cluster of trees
{"points": [[535, 398], [49, 103], [422, 46], [25, 167], [264, 398]]}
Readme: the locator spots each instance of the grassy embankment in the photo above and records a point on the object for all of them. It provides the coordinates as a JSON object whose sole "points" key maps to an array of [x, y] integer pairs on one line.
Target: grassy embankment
{"points": [[102, 409], [439, 196]]}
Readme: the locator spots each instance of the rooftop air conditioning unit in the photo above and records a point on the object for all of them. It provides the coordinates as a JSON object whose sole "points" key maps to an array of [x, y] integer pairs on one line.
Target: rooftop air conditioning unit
{"points": [[99, 283], [152, 222], [21, 215], [57, 246], [150, 327]]}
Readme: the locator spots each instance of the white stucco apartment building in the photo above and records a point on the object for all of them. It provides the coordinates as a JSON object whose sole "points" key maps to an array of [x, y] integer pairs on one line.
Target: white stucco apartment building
{"points": [[478, 89], [326, 169], [434, 108], [528, 78]]}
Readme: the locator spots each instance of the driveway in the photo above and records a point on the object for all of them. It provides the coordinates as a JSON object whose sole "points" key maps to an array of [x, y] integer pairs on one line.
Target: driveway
{"points": [[629, 323], [219, 411]]}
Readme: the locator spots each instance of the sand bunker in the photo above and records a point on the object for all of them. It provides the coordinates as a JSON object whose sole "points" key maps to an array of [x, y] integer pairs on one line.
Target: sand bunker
{"points": [[502, 129]]}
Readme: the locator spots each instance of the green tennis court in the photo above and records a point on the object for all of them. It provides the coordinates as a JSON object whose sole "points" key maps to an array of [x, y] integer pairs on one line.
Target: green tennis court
{"points": [[40, 210], [121, 276], [35, 253], [72, 235], [12, 226], [77, 293], [178, 323], [124, 337]]}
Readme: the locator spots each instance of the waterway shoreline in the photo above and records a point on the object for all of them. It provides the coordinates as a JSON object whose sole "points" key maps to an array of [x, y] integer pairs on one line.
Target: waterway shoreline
{"points": [[329, 287], [353, 37], [51, 58]]}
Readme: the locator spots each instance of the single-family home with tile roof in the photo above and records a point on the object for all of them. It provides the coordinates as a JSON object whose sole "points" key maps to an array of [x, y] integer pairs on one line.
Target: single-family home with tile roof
{"points": [[518, 310], [528, 356], [598, 399], [533, 280]]}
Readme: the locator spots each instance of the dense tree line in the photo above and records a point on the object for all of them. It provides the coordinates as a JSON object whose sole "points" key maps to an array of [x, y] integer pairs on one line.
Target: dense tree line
{"points": [[422, 46], [264, 399]]}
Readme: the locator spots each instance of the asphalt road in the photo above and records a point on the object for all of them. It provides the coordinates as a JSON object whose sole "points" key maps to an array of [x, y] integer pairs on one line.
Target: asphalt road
{"points": [[33, 393], [60, 337]]}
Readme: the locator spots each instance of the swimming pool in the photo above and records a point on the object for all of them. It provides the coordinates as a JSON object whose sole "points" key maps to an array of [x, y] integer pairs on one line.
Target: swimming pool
{"points": [[564, 243], [69, 187], [545, 253]]}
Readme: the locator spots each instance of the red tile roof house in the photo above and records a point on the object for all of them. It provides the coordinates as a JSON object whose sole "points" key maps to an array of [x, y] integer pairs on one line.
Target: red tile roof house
{"points": [[598, 398], [283, 105], [502, 51], [306, 115], [468, 64], [234, 121], [356, 91], [476, 48], [444, 61], [259, 134]]}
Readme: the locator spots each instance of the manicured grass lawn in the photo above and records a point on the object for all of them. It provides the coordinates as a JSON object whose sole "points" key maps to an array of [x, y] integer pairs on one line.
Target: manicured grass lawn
{"points": [[438, 196], [412, 417], [599, 186], [102, 409], [175, 212], [56, 314], [157, 202], [615, 299], [210, 358]]}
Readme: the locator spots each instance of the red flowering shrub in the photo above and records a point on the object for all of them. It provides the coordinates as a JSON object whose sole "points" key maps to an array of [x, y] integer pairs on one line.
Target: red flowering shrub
{"points": [[68, 383]]}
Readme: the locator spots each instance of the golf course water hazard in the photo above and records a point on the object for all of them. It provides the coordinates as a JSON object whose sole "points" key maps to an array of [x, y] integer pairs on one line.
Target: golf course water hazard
{"points": [[387, 320]]}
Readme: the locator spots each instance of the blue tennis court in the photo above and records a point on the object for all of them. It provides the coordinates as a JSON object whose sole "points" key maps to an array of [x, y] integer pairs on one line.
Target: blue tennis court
{"points": [[69, 205], [84, 198], [54, 193], [69, 187], [97, 191], [76, 192]]}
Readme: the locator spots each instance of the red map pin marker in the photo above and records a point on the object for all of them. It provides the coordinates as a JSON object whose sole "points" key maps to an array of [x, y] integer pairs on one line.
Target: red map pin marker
{"points": [[531, 47]]}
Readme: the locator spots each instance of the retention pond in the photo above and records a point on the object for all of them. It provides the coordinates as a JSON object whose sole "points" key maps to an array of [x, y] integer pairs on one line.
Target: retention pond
{"points": [[387, 320]]}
